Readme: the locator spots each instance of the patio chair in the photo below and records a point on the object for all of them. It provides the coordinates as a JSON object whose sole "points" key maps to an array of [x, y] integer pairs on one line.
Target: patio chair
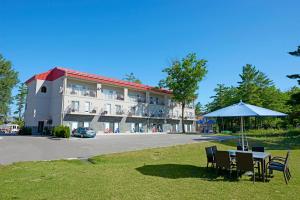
{"points": [[280, 164], [245, 163], [240, 148], [214, 149], [210, 156], [258, 149], [223, 161]]}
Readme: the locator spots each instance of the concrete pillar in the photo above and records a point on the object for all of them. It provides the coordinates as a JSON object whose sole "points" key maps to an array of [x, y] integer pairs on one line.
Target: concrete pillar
{"points": [[99, 90], [166, 100], [147, 97], [63, 92]]}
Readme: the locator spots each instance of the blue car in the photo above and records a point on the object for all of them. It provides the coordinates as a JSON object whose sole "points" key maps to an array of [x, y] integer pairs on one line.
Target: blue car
{"points": [[84, 132]]}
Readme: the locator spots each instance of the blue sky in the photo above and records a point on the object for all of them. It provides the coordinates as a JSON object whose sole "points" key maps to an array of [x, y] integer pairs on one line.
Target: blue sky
{"points": [[113, 38]]}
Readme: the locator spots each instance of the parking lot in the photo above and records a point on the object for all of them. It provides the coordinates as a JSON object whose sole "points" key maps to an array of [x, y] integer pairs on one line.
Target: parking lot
{"points": [[32, 148]]}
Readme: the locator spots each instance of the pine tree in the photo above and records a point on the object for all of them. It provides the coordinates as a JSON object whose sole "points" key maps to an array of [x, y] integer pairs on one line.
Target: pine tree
{"points": [[131, 78], [20, 99]]}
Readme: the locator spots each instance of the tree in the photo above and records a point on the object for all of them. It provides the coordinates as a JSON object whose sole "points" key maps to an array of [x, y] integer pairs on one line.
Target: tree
{"points": [[8, 80], [20, 99], [252, 85], [295, 76], [131, 78], [224, 96], [183, 77], [293, 103], [198, 109], [254, 88]]}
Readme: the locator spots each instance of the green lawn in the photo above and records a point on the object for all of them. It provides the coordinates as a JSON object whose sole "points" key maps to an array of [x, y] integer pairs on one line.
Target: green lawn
{"points": [[177, 172]]}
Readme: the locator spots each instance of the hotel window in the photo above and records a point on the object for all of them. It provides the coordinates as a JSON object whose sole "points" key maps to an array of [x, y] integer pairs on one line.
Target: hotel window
{"points": [[132, 110], [86, 124], [43, 89], [75, 106], [108, 94], [87, 106], [151, 100], [73, 89], [119, 110], [108, 108]]}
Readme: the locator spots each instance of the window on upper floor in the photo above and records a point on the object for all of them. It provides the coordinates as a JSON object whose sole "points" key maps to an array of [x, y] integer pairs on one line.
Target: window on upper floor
{"points": [[44, 89], [75, 106]]}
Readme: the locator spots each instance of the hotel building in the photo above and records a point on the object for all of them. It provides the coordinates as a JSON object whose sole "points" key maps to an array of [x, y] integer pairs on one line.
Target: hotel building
{"points": [[107, 105]]}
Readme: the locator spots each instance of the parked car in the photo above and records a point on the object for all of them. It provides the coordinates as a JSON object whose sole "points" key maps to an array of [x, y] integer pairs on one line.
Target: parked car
{"points": [[84, 132]]}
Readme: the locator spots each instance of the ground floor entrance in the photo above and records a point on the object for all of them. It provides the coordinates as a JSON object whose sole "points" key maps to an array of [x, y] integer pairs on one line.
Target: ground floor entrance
{"points": [[119, 124]]}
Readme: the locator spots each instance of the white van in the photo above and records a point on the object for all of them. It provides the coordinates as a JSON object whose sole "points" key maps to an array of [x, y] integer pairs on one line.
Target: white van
{"points": [[9, 128]]}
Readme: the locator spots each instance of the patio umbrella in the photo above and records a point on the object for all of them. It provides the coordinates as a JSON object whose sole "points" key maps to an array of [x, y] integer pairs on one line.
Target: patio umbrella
{"points": [[244, 110]]}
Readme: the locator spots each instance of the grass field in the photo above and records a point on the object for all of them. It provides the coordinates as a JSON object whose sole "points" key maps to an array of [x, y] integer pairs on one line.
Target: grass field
{"points": [[177, 172]]}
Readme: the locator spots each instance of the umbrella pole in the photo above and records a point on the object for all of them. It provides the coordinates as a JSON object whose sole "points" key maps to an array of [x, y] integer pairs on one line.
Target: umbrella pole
{"points": [[242, 133]]}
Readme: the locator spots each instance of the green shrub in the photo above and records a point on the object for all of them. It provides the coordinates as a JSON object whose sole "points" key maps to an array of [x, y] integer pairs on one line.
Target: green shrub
{"points": [[61, 131], [273, 133], [48, 131], [25, 131]]}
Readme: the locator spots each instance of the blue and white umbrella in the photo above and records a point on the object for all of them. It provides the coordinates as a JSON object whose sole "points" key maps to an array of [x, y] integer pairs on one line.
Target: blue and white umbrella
{"points": [[244, 110]]}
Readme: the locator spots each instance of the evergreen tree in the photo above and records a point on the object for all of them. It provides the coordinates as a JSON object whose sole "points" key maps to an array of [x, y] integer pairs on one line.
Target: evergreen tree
{"points": [[20, 99], [224, 96], [131, 78], [254, 88], [295, 96], [295, 76], [294, 113], [198, 109], [252, 85]]}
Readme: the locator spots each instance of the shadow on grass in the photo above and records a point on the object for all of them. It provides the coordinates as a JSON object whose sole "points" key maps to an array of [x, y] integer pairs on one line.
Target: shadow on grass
{"points": [[177, 171]]}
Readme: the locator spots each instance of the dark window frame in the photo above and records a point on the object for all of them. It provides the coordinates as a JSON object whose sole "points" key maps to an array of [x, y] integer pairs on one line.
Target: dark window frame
{"points": [[43, 89]]}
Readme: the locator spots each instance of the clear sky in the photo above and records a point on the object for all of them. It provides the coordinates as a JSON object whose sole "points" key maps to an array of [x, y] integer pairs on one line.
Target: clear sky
{"points": [[113, 38]]}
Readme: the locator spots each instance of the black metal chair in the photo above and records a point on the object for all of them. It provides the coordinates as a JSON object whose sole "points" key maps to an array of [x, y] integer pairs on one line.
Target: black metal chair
{"points": [[258, 149], [214, 149], [240, 148], [210, 156], [245, 163], [223, 161], [281, 164]]}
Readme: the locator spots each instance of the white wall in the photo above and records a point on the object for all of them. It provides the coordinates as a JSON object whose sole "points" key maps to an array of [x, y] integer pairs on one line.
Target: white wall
{"points": [[43, 106]]}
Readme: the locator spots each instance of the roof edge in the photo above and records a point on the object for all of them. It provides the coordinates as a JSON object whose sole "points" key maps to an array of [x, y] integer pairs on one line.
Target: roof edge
{"points": [[58, 72]]}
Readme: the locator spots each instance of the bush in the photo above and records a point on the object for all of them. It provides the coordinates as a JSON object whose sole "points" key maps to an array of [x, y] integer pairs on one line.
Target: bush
{"points": [[25, 131], [273, 133], [62, 131], [48, 131]]}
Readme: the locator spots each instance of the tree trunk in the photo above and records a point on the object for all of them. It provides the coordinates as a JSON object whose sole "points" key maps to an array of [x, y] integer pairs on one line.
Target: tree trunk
{"points": [[182, 117]]}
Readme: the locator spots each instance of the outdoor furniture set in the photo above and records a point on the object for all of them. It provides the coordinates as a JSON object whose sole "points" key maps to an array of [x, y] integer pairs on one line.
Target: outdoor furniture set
{"points": [[248, 161]]}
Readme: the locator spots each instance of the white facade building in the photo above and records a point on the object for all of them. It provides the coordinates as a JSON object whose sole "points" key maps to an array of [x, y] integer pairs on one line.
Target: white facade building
{"points": [[64, 96]]}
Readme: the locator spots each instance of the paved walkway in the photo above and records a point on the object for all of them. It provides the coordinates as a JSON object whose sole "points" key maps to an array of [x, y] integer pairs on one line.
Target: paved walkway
{"points": [[32, 148]]}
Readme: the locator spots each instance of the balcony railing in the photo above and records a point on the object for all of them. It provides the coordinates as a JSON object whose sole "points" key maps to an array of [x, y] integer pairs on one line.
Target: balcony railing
{"points": [[107, 112], [81, 92], [161, 103], [72, 110]]}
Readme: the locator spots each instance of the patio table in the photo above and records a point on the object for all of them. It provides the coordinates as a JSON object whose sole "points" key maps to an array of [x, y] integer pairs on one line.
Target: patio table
{"points": [[257, 156]]}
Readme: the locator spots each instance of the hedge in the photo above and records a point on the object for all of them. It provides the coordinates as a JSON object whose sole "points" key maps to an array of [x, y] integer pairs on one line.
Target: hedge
{"points": [[25, 131], [61, 131]]}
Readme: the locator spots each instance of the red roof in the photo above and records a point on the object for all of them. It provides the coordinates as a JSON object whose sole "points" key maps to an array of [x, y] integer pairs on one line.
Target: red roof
{"points": [[58, 72]]}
